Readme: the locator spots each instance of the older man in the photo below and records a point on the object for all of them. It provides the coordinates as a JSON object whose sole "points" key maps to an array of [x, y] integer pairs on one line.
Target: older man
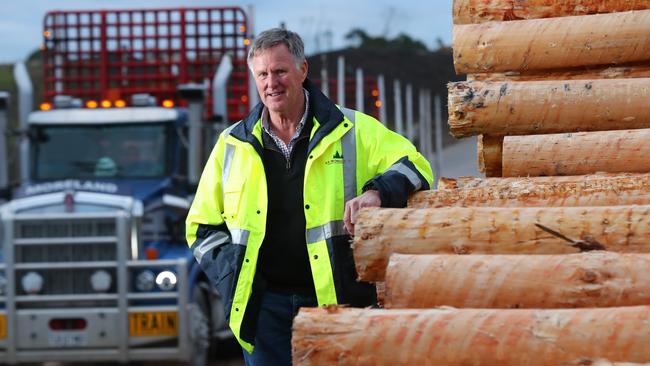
{"points": [[271, 220]]}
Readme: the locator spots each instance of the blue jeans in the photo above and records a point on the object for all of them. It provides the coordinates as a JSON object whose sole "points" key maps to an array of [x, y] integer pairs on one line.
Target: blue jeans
{"points": [[273, 338]]}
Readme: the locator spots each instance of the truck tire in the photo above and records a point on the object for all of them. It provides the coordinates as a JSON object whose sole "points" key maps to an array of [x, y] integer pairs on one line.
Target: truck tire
{"points": [[200, 329]]}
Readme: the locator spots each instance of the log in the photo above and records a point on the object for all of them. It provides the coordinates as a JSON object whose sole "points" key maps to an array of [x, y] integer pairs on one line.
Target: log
{"points": [[554, 43], [480, 11], [381, 293], [490, 150], [452, 183], [576, 153], [506, 183], [539, 107], [477, 337], [595, 279], [605, 190], [493, 230], [582, 73]]}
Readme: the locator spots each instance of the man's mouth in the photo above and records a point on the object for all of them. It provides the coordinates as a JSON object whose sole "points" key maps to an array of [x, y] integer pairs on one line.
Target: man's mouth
{"points": [[274, 94]]}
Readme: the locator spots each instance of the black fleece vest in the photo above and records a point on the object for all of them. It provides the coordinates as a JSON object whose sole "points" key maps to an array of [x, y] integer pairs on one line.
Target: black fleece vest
{"points": [[284, 261]]}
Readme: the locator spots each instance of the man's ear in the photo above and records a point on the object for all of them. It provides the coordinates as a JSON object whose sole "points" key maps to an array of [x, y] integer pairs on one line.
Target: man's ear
{"points": [[304, 68]]}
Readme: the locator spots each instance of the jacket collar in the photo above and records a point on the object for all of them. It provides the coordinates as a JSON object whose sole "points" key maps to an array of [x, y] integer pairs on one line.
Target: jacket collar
{"points": [[325, 112]]}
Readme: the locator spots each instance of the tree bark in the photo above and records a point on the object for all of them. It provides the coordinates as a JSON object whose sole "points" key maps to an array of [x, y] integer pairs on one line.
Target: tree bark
{"points": [[581, 73], [478, 337], [554, 43], [606, 190], [493, 230], [595, 279], [508, 183], [576, 153], [480, 11], [381, 292], [490, 150], [539, 107]]}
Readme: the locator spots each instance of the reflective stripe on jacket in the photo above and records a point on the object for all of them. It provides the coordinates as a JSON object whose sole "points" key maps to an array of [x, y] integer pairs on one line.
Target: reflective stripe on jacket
{"points": [[226, 224]]}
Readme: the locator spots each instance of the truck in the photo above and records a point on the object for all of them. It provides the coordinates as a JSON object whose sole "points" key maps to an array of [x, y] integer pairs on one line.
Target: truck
{"points": [[94, 266]]}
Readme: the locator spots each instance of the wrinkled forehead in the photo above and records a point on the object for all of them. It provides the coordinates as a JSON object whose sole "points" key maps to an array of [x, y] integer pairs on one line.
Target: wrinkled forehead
{"points": [[276, 55]]}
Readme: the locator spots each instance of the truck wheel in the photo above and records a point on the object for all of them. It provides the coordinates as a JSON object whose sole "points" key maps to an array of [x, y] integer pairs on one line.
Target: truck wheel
{"points": [[200, 328]]}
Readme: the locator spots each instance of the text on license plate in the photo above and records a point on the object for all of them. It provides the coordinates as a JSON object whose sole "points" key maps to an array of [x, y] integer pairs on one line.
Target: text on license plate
{"points": [[160, 323], [67, 339], [3, 326]]}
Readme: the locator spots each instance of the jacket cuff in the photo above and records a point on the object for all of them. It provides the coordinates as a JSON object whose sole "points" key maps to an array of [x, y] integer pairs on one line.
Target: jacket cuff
{"points": [[397, 183]]}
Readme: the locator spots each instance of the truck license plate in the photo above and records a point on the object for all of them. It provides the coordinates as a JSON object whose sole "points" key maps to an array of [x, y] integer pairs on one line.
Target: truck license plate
{"points": [[153, 324], [67, 339]]}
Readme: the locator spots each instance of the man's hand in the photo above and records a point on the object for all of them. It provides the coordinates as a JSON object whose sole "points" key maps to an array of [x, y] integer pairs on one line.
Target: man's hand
{"points": [[368, 199]]}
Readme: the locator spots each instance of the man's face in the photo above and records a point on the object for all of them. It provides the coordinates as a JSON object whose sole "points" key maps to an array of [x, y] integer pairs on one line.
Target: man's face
{"points": [[278, 79]]}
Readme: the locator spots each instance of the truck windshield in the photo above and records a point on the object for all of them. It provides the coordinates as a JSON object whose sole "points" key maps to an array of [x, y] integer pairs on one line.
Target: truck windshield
{"points": [[100, 151]]}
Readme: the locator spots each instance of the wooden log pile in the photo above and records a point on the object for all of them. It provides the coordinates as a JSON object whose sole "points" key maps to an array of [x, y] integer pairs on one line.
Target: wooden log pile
{"points": [[545, 261], [550, 68]]}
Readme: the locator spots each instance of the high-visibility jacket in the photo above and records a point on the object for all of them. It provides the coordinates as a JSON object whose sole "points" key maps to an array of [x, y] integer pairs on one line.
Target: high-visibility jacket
{"points": [[348, 151]]}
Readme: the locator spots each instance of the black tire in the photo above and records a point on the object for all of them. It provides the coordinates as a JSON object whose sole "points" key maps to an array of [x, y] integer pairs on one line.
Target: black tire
{"points": [[200, 329]]}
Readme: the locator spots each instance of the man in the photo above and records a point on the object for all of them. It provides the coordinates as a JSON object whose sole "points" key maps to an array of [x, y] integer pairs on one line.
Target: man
{"points": [[277, 200]]}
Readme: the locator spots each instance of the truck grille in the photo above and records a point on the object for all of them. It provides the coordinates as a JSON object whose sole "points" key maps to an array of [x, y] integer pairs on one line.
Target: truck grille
{"points": [[42, 244], [76, 228], [65, 281], [66, 253]]}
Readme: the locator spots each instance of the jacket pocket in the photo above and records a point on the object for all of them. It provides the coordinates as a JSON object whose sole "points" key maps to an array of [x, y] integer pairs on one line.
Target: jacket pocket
{"points": [[232, 197], [226, 264]]}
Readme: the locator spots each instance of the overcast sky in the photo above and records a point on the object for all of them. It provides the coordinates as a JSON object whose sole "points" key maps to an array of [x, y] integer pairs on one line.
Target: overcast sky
{"points": [[426, 20]]}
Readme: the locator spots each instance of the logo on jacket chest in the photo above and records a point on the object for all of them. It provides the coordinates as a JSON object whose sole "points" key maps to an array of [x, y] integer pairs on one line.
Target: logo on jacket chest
{"points": [[337, 158]]}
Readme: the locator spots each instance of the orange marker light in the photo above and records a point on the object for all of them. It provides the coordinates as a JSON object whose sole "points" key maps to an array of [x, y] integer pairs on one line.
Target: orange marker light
{"points": [[378, 103], [91, 104], [151, 253], [242, 28], [168, 103], [46, 106], [244, 98], [247, 41], [375, 92], [47, 34], [120, 103], [106, 104]]}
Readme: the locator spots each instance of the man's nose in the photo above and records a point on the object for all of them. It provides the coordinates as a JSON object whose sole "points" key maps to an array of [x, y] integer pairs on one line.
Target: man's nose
{"points": [[272, 80]]}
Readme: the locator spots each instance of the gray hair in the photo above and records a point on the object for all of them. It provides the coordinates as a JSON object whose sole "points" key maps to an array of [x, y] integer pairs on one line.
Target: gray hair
{"points": [[277, 36]]}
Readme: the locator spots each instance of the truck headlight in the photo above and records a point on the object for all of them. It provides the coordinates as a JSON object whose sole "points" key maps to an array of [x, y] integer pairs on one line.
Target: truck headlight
{"points": [[32, 283], [144, 281], [101, 281], [166, 280]]}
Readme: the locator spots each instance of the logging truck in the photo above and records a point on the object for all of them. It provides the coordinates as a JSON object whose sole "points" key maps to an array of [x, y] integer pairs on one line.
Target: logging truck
{"points": [[94, 265]]}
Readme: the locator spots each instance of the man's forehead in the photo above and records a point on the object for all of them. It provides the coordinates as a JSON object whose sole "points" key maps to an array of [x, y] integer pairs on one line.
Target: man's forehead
{"points": [[273, 56], [278, 50]]}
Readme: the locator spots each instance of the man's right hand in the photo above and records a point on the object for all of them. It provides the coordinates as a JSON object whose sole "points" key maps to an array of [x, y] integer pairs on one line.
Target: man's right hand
{"points": [[369, 198]]}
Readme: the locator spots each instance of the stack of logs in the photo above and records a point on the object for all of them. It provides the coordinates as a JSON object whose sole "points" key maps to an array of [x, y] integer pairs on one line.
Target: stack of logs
{"points": [[559, 91]]}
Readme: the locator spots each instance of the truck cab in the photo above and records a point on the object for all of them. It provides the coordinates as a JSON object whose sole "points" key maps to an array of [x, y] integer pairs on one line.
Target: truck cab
{"points": [[94, 252]]}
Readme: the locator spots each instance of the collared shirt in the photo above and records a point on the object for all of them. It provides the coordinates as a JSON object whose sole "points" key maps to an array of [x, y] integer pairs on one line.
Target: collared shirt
{"points": [[286, 149]]}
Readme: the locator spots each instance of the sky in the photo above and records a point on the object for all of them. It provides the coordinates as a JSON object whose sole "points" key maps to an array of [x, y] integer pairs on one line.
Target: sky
{"points": [[322, 24]]}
